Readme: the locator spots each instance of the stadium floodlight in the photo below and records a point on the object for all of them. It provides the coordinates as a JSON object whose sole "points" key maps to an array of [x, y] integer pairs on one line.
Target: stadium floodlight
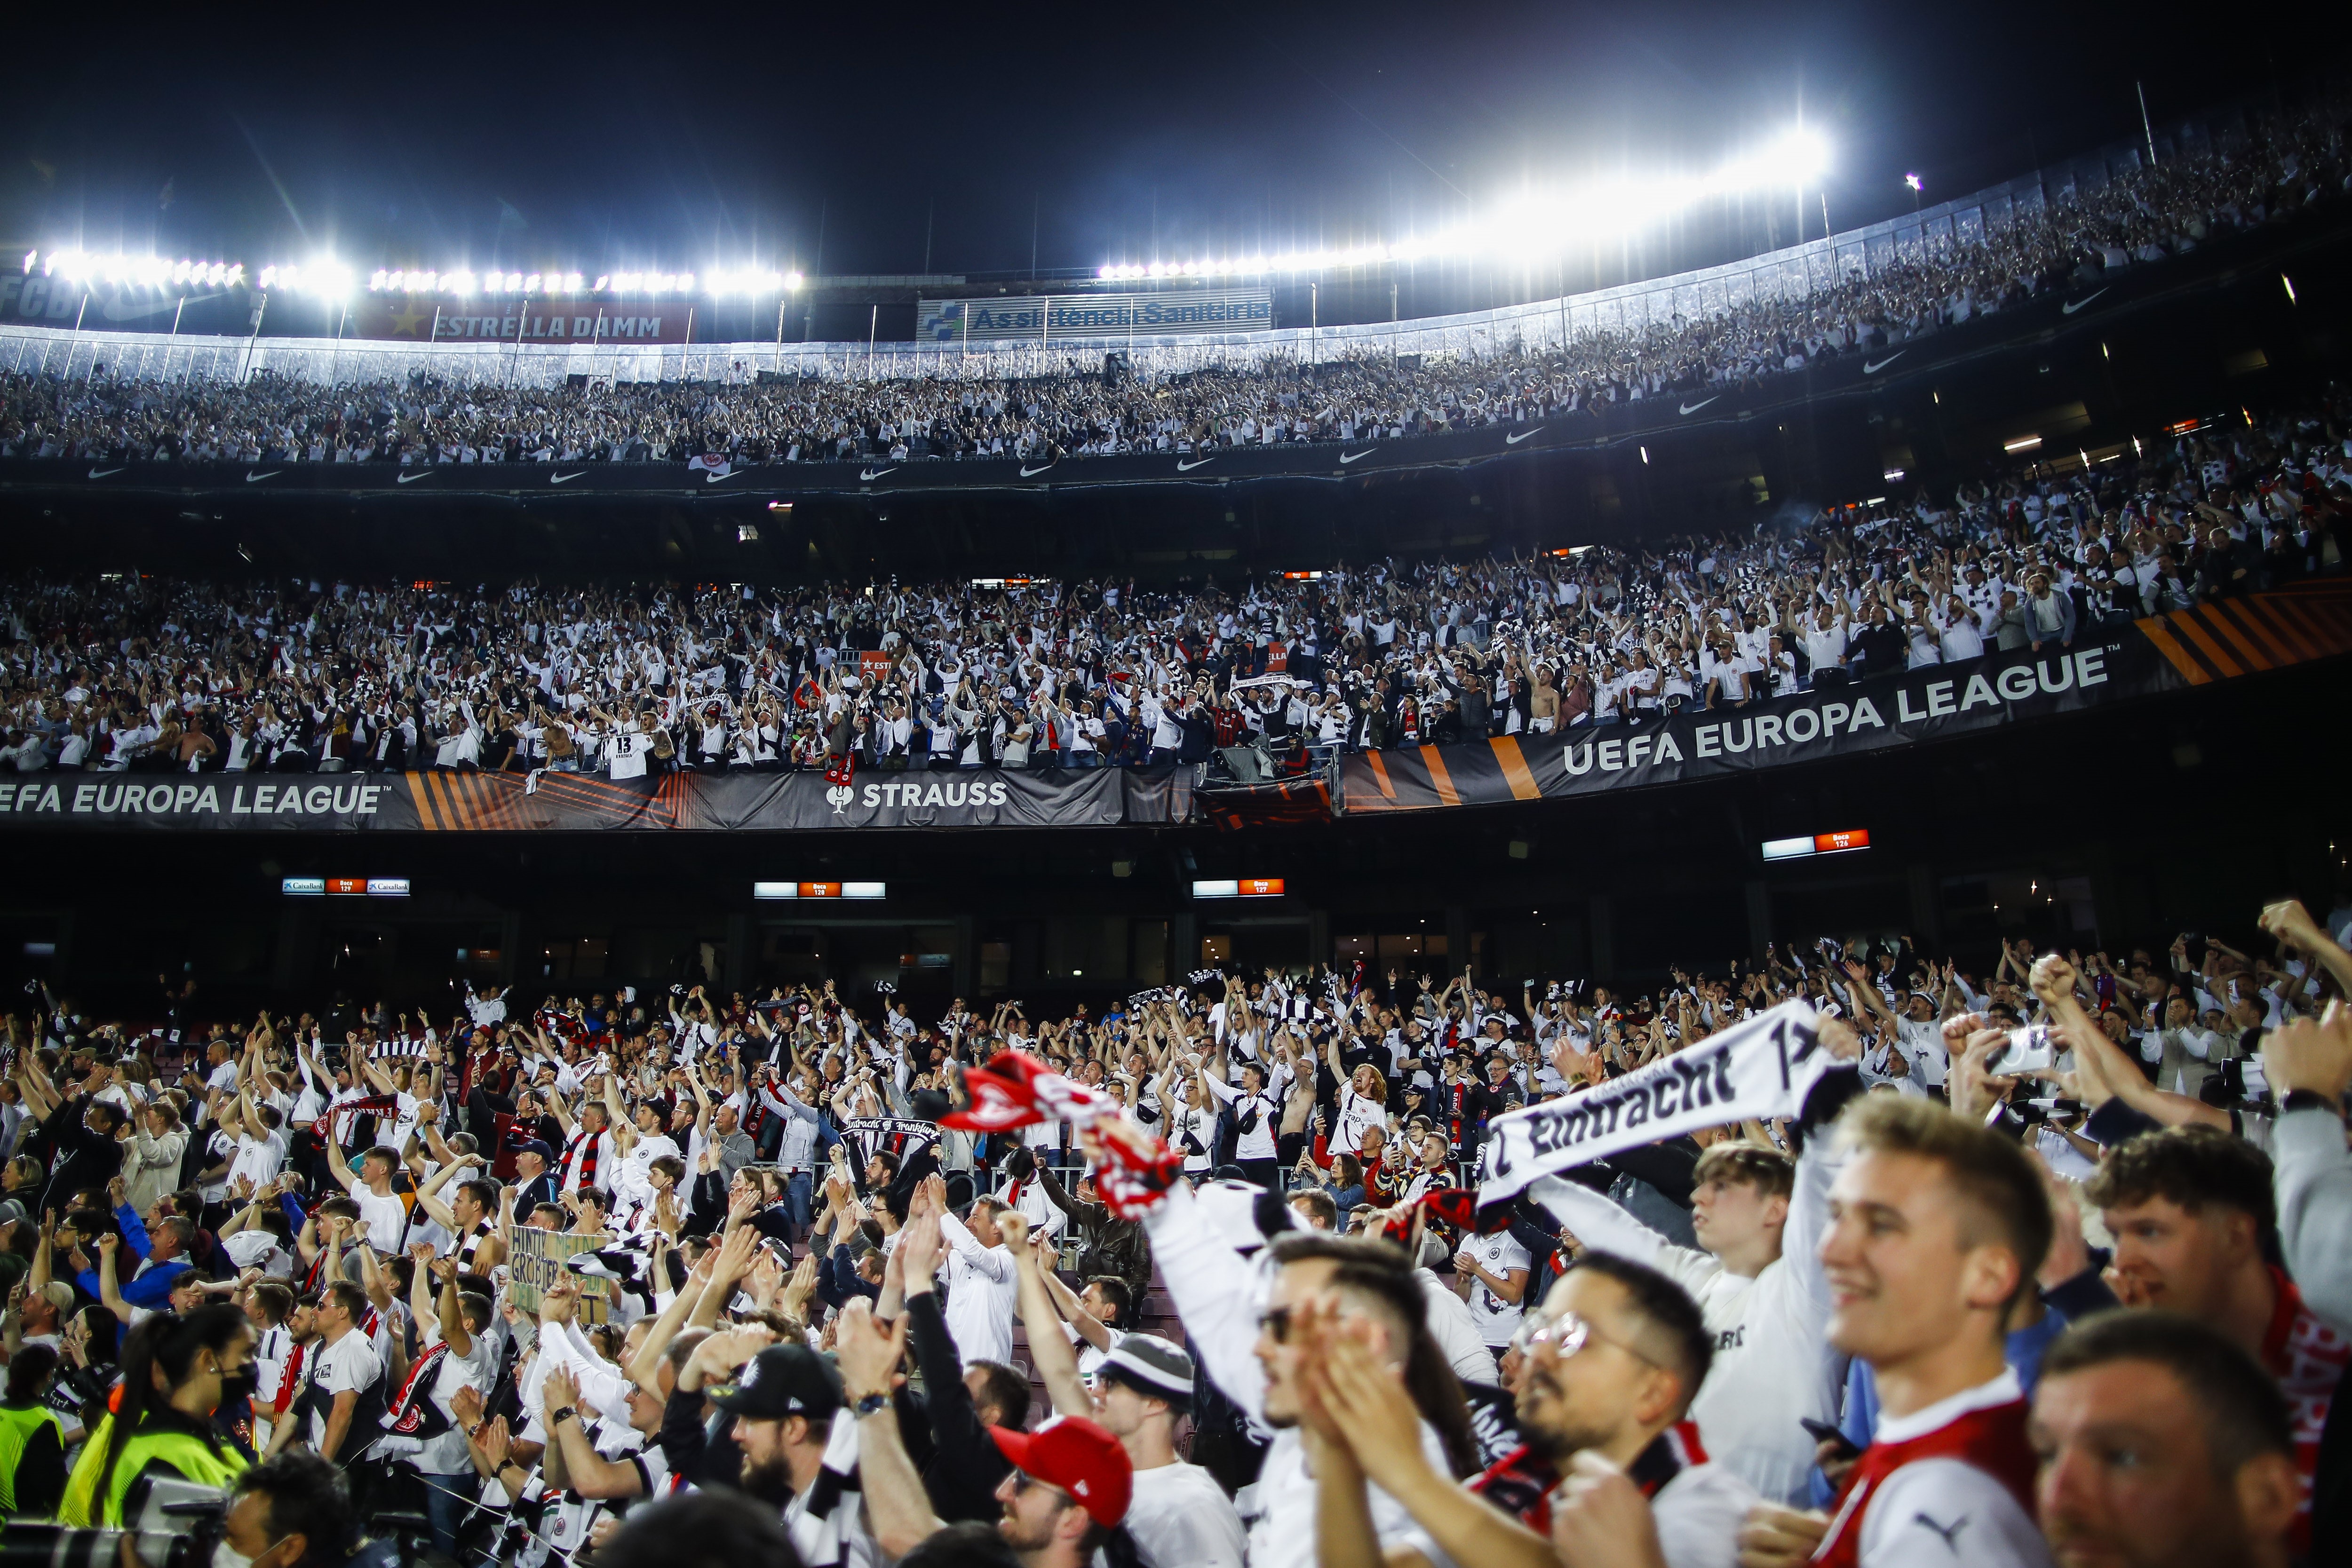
{"points": [[746, 281], [328, 279], [530, 283], [1915, 181], [602, 281], [1531, 224], [83, 268], [1797, 158]]}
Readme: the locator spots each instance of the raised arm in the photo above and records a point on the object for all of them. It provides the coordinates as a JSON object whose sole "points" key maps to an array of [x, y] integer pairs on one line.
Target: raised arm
{"points": [[1050, 1353], [2291, 924], [339, 1156], [896, 1503], [428, 1198], [2053, 980]]}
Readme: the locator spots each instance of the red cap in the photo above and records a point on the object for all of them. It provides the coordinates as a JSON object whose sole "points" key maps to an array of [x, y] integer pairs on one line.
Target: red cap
{"points": [[1074, 1454]]}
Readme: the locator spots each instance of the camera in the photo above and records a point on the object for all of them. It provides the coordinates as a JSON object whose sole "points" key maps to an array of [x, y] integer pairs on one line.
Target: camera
{"points": [[179, 1527], [2029, 1049]]}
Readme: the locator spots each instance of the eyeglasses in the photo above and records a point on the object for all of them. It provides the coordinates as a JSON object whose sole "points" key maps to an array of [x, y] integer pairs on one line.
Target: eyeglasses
{"points": [[1568, 1334], [1023, 1481]]}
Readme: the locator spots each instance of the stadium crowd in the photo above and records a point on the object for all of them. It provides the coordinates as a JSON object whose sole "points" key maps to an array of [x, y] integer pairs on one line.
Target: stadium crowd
{"points": [[2082, 238], [150, 674], [2050, 1263]]}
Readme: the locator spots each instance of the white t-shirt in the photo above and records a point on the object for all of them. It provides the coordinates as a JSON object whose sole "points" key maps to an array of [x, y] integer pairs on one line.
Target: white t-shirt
{"points": [[477, 1368], [219, 1144], [632, 1183], [386, 1217], [1180, 1518], [1497, 1254], [1455, 1330], [259, 1158], [1699, 1514], [395, 1138], [1922, 1046], [1200, 1123], [1356, 1112], [272, 1354], [347, 1366]]}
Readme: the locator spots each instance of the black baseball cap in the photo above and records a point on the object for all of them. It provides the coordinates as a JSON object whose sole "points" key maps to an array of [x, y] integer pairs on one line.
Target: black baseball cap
{"points": [[781, 1381]]}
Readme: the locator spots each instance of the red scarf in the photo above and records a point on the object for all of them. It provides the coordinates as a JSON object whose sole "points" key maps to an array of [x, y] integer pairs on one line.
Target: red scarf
{"points": [[289, 1382], [581, 1156]]}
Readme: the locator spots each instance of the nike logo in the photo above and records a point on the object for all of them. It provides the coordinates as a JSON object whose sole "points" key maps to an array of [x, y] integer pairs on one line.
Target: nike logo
{"points": [[2071, 306], [1029, 473], [1347, 457], [566, 479], [253, 479], [710, 476], [1871, 367], [1184, 468], [1951, 1532], [101, 473], [867, 476], [1514, 440], [1694, 407], [411, 479]]}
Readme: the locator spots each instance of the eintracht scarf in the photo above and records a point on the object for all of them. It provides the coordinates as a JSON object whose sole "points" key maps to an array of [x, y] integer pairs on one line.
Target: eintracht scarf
{"points": [[412, 1414], [1761, 1068]]}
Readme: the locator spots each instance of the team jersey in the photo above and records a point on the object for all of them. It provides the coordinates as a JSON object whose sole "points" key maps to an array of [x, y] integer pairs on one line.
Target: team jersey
{"points": [[1951, 1483], [1498, 1254]]}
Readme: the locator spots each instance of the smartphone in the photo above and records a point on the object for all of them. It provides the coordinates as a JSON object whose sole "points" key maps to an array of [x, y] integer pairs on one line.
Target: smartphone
{"points": [[1842, 1447], [2029, 1049]]}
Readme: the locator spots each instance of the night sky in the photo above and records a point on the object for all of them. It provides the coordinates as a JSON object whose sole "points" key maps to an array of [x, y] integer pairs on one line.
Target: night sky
{"points": [[681, 137]]}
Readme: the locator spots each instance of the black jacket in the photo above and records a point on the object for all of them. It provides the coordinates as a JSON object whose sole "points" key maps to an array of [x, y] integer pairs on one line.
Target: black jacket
{"points": [[1881, 649], [1112, 1245], [90, 1160], [964, 1467]]}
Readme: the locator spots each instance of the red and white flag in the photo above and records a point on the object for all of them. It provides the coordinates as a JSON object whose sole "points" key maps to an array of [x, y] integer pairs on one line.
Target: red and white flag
{"points": [[1016, 1090]]}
